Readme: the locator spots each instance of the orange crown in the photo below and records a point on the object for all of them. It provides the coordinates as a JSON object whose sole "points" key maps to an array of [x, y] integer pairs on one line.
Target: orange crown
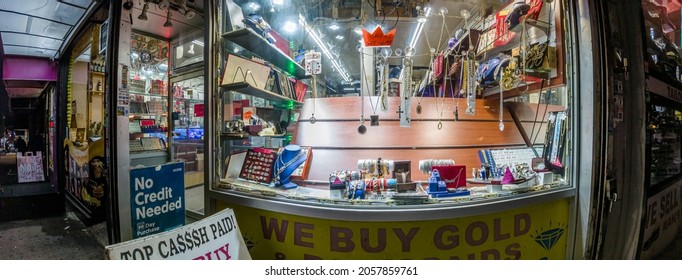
{"points": [[377, 38]]}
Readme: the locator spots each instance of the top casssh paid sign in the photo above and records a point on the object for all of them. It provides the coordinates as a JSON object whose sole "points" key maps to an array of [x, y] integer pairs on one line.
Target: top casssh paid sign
{"points": [[214, 238]]}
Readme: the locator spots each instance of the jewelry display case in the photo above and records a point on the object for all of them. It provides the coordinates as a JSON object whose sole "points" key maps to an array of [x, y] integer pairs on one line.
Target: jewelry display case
{"points": [[494, 139]]}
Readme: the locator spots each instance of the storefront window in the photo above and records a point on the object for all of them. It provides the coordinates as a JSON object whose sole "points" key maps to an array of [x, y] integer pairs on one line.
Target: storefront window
{"points": [[480, 95]]}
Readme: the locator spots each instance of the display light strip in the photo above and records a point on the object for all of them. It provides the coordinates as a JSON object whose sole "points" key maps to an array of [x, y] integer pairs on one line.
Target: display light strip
{"points": [[420, 28], [322, 46]]}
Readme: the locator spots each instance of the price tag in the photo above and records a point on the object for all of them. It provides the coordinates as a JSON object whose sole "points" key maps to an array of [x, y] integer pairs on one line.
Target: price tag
{"points": [[313, 63]]}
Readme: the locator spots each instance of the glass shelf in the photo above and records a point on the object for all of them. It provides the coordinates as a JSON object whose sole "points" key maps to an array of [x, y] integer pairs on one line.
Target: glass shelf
{"points": [[255, 44]]}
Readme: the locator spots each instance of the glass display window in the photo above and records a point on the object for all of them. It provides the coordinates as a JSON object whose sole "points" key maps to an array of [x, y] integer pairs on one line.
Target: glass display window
{"points": [[474, 97]]}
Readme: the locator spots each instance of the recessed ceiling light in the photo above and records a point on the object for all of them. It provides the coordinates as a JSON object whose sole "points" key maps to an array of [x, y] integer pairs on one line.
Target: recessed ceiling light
{"points": [[289, 27], [254, 6], [339, 37], [334, 26]]}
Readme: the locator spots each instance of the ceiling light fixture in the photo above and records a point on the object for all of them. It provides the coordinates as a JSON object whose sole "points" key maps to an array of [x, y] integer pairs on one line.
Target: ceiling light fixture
{"points": [[420, 28], [143, 15], [168, 22], [334, 26], [339, 37], [322, 46], [254, 6], [278, 2], [200, 43], [289, 27]]}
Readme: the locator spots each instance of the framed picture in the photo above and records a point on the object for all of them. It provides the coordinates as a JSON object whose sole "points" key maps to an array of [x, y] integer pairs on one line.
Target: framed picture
{"points": [[103, 37]]}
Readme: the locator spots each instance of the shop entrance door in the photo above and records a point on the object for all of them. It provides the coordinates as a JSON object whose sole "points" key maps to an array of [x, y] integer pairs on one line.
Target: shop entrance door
{"points": [[187, 143]]}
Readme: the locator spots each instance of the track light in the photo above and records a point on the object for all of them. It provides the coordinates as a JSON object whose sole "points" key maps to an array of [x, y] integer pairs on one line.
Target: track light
{"points": [[143, 15], [168, 19]]}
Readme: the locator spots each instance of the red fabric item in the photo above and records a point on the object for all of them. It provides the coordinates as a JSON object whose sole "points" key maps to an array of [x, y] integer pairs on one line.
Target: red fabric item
{"points": [[535, 8], [502, 33], [454, 175], [282, 44]]}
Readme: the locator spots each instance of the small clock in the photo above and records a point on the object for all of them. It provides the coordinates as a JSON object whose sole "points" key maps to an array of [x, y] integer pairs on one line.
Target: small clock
{"points": [[145, 57]]}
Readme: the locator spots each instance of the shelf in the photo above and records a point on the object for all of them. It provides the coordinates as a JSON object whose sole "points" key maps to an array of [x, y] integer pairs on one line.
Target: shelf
{"points": [[147, 94], [226, 136], [97, 73], [256, 44], [246, 88], [516, 41], [191, 101], [148, 154], [147, 115], [97, 91], [463, 43]]}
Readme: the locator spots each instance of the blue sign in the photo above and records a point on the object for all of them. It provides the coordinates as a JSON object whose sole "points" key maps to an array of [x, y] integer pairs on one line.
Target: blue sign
{"points": [[157, 198]]}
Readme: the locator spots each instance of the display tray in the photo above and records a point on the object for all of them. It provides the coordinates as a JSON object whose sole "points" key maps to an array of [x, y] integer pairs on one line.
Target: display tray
{"points": [[316, 193]]}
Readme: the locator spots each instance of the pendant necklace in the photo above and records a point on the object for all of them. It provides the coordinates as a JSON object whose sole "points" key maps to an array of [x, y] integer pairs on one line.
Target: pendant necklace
{"points": [[374, 118], [461, 91], [362, 128], [312, 117]]}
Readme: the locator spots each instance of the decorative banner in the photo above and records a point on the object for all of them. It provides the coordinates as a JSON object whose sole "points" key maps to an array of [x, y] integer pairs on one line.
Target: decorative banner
{"points": [[534, 232], [377, 38], [663, 215], [157, 198], [213, 238]]}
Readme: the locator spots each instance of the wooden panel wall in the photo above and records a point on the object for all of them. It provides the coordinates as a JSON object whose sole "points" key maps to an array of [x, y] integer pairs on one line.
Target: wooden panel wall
{"points": [[337, 145]]}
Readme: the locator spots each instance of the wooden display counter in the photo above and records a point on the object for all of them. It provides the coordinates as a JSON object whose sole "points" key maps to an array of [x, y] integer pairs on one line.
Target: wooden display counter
{"points": [[337, 145]]}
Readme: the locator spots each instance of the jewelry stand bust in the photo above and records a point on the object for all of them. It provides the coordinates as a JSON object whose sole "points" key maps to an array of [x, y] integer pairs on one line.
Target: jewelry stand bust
{"points": [[287, 161]]}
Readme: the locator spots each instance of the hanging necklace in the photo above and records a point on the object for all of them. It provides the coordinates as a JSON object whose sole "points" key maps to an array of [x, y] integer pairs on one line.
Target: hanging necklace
{"points": [[314, 82], [374, 118], [362, 128]]}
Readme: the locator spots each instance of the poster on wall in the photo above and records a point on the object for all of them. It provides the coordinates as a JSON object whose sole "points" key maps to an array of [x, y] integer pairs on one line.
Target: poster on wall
{"points": [[216, 237], [30, 167], [157, 198], [86, 181]]}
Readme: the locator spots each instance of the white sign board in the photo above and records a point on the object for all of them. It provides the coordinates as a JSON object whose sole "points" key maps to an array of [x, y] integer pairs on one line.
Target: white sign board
{"points": [[214, 238], [663, 215]]}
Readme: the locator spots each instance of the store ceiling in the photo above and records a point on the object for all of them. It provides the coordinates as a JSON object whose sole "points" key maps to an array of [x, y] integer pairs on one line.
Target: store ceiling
{"points": [[38, 27], [156, 18], [344, 41]]}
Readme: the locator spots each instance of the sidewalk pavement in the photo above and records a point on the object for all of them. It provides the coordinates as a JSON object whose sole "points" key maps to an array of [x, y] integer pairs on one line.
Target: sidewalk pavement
{"points": [[62, 237]]}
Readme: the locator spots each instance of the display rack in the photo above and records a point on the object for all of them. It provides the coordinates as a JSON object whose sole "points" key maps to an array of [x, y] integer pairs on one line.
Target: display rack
{"points": [[256, 44], [276, 99]]}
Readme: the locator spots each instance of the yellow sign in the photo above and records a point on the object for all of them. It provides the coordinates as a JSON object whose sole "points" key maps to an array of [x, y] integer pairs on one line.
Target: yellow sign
{"points": [[534, 232]]}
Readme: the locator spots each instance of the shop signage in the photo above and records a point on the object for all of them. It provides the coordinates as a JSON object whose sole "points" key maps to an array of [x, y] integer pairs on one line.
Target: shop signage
{"points": [[534, 232], [663, 214], [214, 238], [658, 87], [157, 198]]}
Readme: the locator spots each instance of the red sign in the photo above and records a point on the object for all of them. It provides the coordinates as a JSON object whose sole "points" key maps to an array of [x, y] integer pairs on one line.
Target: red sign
{"points": [[198, 110], [377, 38]]}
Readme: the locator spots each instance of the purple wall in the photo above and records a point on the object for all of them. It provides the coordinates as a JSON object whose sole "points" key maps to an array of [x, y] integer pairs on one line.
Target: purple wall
{"points": [[29, 69]]}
